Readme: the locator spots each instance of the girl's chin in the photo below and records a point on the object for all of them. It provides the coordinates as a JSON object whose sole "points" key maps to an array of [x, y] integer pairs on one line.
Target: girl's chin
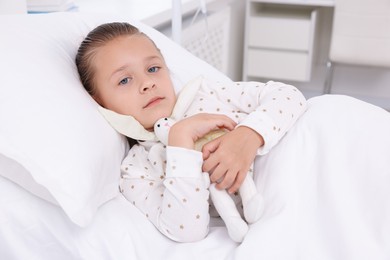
{"points": [[150, 128]]}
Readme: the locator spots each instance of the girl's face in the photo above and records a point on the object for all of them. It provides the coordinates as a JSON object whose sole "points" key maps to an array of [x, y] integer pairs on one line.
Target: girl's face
{"points": [[132, 78]]}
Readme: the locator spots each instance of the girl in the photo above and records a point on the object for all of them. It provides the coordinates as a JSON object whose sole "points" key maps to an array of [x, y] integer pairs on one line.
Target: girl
{"points": [[124, 71]]}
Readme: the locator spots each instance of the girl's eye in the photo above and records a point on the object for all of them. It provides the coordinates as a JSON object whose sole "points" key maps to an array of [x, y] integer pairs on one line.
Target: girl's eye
{"points": [[153, 69], [124, 81]]}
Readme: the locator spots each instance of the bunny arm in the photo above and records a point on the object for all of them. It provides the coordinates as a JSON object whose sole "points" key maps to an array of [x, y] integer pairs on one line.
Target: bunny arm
{"points": [[226, 208], [252, 200]]}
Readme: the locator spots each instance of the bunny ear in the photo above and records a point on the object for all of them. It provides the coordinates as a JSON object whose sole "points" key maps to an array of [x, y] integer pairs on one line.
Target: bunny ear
{"points": [[127, 125], [186, 96]]}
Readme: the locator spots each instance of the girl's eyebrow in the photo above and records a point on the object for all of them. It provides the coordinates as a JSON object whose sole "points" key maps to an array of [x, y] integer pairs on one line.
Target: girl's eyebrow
{"points": [[149, 58], [118, 70], [153, 57]]}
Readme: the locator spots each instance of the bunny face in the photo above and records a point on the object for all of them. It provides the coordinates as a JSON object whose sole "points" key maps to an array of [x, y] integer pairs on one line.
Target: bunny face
{"points": [[162, 127]]}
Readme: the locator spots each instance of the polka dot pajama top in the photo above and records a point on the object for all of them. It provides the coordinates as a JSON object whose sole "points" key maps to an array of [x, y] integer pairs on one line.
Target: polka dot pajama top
{"points": [[166, 183]]}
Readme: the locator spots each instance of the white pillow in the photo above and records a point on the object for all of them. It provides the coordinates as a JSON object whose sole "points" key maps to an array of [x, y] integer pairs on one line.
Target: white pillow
{"points": [[53, 140]]}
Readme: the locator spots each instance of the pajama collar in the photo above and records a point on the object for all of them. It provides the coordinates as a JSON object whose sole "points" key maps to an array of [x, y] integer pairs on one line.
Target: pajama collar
{"points": [[130, 127]]}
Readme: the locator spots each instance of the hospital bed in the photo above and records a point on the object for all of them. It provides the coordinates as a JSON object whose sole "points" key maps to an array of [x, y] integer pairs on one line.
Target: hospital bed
{"points": [[326, 184]]}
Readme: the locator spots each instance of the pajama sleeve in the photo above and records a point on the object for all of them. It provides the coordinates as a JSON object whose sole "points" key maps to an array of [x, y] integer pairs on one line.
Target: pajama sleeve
{"points": [[270, 108], [172, 193]]}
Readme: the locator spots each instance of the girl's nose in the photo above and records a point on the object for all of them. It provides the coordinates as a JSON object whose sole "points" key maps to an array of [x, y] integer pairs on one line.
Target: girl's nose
{"points": [[147, 85]]}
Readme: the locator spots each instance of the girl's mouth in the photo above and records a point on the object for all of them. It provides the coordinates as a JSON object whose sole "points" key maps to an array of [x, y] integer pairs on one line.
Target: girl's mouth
{"points": [[153, 101]]}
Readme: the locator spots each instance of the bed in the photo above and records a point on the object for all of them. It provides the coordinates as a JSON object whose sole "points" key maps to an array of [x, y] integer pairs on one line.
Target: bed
{"points": [[326, 184]]}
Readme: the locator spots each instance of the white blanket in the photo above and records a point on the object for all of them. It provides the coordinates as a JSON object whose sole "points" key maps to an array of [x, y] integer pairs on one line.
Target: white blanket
{"points": [[326, 185]]}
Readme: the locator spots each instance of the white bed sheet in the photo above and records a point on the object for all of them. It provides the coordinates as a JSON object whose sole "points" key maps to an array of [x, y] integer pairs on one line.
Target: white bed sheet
{"points": [[326, 185], [32, 228]]}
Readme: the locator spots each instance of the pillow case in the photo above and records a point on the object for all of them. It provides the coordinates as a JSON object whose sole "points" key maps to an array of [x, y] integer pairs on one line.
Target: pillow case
{"points": [[53, 140]]}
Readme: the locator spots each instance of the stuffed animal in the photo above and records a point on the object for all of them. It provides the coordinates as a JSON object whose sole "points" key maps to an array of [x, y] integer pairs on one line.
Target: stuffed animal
{"points": [[252, 201]]}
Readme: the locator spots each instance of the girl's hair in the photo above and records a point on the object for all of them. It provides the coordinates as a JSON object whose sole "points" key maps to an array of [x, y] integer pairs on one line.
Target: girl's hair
{"points": [[95, 39]]}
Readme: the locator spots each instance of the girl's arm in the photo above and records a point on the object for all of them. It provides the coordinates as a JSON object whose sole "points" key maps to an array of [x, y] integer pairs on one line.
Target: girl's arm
{"points": [[271, 110], [187, 131], [168, 185], [175, 200]]}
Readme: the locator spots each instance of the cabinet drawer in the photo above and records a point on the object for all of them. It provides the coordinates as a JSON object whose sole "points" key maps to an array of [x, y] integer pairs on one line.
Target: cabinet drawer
{"points": [[292, 32], [278, 65]]}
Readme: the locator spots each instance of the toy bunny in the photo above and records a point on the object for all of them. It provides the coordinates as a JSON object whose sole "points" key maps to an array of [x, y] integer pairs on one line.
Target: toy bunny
{"points": [[224, 204]]}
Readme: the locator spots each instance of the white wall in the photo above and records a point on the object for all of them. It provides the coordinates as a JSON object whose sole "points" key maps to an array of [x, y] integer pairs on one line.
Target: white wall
{"points": [[13, 7]]}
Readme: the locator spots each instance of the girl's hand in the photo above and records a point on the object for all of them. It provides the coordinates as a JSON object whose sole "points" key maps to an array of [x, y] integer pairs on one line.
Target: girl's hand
{"points": [[187, 131], [228, 158]]}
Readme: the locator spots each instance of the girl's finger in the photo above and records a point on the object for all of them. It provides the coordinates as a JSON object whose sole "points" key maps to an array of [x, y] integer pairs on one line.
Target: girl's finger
{"points": [[217, 174], [228, 180], [210, 147], [225, 122], [237, 183]]}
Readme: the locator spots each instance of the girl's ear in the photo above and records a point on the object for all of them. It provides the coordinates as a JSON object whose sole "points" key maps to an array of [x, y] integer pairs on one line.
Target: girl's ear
{"points": [[97, 99]]}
